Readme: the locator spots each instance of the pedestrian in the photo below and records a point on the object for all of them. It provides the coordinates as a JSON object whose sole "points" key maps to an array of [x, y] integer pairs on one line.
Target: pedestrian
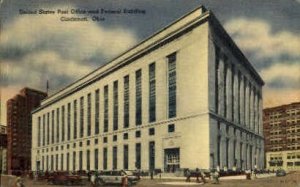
{"points": [[201, 175], [151, 174], [188, 175]]}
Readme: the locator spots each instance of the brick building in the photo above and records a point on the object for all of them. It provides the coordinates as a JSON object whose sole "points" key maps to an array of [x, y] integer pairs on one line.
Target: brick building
{"points": [[3, 149], [282, 136], [19, 128]]}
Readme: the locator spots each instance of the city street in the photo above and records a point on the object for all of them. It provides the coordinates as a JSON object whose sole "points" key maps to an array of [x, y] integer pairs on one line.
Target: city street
{"points": [[291, 180]]}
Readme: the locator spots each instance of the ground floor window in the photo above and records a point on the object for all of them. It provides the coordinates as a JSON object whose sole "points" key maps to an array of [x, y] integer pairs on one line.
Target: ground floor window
{"points": [[172, 159]]}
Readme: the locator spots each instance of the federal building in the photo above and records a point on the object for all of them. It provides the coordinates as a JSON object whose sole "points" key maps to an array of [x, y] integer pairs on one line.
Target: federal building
{"points": [[186, 97]]}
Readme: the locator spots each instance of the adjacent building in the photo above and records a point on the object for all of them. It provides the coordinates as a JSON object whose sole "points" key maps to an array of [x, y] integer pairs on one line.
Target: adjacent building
{"points": [[282, 136], [186, 97], [3, 149], [19, 128]]}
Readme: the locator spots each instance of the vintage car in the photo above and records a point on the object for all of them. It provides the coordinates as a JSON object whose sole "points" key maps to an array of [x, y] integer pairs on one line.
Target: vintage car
{"points": [[64, 178], [116, 177]]}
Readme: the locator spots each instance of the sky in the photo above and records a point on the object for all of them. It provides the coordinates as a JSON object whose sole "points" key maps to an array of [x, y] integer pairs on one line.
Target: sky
{"points": [[35, 48]]}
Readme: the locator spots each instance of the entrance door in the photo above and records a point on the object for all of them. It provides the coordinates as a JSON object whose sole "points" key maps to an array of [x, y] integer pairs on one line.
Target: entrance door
{"points": [[172, 160], [38, 165]]}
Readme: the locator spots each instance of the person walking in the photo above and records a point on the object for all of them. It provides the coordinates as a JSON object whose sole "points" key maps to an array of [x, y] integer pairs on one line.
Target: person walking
{"points": [[199, 174], [188, 175]]}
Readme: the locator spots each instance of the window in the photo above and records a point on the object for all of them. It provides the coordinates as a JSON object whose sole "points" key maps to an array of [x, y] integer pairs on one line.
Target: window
{"points": [[116, 106], [125, 158], [75, 119], [68, 146], [81, 116], [74, 145], [97, 111], [52, 125], [171, 128], [151, 131], [68, 161], [152, 93], [39, 132], [138, 155], [115, 157], [115, 138], [89, 122], [96, 141], [48, 128], [138, 97], [125, 136], [69, 122], [137, 134], [57, 125], [88, 142], [56, 162], [96, 159], [104, 158], [88, 160], [61, 147], [104, 139], [62, 162], [63, 123], [74, 160], [172, 84], [126, 101], [152, 155], [80, 160], [105, 129], [80, 144]]}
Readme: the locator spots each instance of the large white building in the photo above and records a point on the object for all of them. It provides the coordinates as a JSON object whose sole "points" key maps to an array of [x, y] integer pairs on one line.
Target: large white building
{"points": [[186, 97]]}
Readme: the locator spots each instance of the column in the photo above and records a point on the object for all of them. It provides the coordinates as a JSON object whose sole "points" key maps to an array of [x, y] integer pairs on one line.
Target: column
{"points": [[260, 127], [246, 112], [251, 108], [229, 92], [235, 94], [242, 100], [231, 138], [254, 111], [221, 87]]}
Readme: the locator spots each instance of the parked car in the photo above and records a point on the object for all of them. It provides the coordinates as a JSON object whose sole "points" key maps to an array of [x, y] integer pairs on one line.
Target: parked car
{"points": [[64, 178], [116, 177], [280, 173]]}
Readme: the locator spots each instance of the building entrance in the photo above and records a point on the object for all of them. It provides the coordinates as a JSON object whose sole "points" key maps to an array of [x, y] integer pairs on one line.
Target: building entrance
{"points": [[172, 160]]}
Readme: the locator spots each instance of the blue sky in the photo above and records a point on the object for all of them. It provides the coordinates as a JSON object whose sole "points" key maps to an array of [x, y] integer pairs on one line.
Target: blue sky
{"points": [[37, 48]]}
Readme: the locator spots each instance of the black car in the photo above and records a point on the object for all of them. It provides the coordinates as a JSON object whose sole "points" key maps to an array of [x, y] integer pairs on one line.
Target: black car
{"points": [[280, 173]]}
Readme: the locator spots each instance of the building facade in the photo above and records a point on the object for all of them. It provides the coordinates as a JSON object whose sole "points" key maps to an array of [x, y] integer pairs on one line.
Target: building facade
{"points": [[282, 136], [186, 97], [3, 149], [19, 128]]}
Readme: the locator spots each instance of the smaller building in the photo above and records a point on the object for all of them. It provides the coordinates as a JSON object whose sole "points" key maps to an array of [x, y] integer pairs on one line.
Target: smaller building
{"points": [[282, 137], [3, 149], [19, 128]]}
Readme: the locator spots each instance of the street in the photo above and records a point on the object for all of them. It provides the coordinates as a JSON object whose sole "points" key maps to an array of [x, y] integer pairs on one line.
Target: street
{"points": [[291, 180]]}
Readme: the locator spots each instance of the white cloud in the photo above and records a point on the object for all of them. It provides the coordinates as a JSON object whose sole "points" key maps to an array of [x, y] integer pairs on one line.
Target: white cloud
{"points": [[256, 36], [282, 71]]}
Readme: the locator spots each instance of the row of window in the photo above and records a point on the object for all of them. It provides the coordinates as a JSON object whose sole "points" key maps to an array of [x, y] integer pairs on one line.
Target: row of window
{"points": [[60, 127], [151, 132], [51, 162]]}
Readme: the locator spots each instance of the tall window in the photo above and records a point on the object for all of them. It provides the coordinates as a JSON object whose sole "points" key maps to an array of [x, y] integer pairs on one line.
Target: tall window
{"points": [[57, 125], [172, 84], [97, 111], [52, 163], [152, 93], [74, 160], [89, 109], [68, 161], [116, 106], [152, 155], [47, 162], [96, 159], [88, 160], [105, 129], [62, 162], [44, 118], [80, 160], [63, 123], [52, 133], [138, 155], [126, 101], [138, 97], [48, 128], [104, 158], [125, 157], [75, 119], [39, 132], [69, 122], [115, 157], [56, 162], [81, 116]]}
